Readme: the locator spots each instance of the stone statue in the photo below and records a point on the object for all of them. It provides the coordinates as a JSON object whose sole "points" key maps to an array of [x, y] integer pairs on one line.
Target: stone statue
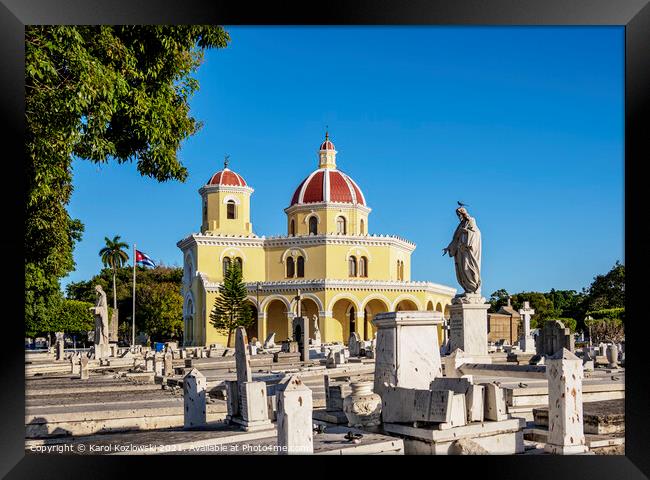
{"points": [[101, 317], [465, 248], [314, 319]]}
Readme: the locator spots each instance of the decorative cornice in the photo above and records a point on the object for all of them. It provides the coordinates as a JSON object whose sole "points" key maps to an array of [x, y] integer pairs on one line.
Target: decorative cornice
{"points": [[327, 206], [288, 241], [290, 286], [225, 188]]}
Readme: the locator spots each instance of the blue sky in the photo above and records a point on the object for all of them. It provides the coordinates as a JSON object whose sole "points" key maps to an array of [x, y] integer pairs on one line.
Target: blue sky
{"points": [[524, 124]]}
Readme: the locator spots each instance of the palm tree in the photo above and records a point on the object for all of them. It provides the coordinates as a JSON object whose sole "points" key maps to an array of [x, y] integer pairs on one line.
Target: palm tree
{"points": [[113, 255]]}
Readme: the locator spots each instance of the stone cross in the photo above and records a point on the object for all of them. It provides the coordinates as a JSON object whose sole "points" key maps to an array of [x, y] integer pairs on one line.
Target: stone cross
{"points": [[194, 384], [294, 417], [525, 313], [565, 429]]}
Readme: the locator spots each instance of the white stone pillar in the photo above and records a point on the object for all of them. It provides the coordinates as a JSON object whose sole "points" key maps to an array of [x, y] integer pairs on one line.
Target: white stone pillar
{"points": [[565, 429], [294, 414], [194, 385], [84, 373], [468, 325], [168, 369]]}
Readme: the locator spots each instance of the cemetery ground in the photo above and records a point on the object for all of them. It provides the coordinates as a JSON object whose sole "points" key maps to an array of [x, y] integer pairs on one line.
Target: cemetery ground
{"points": [[302, 398]]}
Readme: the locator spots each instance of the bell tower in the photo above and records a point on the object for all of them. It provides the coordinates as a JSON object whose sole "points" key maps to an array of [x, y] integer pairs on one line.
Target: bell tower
{"points": [[225, 204]]}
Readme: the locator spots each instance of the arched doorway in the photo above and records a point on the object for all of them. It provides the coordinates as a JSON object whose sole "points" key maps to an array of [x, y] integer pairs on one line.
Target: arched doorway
{"points": [[342, 311], [308, 308], [277, 320], [406, 305], [188, 324], [372, 308]]}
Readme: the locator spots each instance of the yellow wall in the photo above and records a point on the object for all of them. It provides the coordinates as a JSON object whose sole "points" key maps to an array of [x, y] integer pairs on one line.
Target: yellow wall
{"points": [[216, 219]]}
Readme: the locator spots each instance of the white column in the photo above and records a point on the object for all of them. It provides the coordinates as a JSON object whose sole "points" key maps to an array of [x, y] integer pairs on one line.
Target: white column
{"points": [[565, 429], [294, 414]]}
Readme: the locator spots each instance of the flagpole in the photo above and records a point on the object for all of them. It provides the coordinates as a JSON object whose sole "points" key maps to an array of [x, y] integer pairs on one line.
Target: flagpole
{"points": [[133, 317]]}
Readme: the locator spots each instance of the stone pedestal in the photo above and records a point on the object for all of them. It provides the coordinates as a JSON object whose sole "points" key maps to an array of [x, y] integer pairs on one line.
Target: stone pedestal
{"points": [[468, 324], [102, 350], [527, 344], [194, 384], [565, 428], [407, 353], [295, 424]]}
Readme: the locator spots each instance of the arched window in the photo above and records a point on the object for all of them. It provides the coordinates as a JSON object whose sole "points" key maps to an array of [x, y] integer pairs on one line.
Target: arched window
{"points": [[353, 320], [363, 267], [226, 265], [352, 266], [340, 225], [291, 268], [205, 210], [313, 225], [292, 228], [230, 209], [240, 264], [301, 267], [362, 227], [400, 270]]}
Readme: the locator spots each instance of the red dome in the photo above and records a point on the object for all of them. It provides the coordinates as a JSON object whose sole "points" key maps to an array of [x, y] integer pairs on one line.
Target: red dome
{"points": [[227, 177], [328, 185]]}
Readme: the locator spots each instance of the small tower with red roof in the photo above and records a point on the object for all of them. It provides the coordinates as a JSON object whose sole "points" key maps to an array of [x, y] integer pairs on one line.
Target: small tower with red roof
{"points": [[225, 202]]}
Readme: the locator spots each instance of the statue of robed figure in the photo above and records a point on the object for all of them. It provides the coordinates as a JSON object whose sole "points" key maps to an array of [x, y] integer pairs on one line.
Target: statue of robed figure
{"points": [[465, 248], [101, 317]]}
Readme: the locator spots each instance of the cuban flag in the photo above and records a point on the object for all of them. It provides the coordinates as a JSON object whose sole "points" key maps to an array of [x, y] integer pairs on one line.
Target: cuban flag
{"points": [[144, 259]]}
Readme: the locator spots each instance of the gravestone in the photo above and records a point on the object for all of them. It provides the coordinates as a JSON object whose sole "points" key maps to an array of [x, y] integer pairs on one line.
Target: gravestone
{"points": [[565, 420], [554, 336], [157, 364], [474, 395], [168, 369], [468, 324], [242, 358], [317, 338], [406, 352], [289, 346], [408, 405], [148, 362], [526, 342], [294, 417], [60, 345], [247, 402], [354, 344], [75, 364], [270, 340], [495, 403], [84, 373], [194, 385]]}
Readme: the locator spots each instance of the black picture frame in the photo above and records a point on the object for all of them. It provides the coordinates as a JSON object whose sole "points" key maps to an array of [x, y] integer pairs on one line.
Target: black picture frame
{"points": [[634, 15]]}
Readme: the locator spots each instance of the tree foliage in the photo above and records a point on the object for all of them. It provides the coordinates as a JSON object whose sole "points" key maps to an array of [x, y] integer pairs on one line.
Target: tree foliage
{"points": [[231, 310], [606, 294], [101, 93], [607, 291], [159, 304]]}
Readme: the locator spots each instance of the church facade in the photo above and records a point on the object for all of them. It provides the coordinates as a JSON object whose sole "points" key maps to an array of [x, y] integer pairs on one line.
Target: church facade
{"points": [[345, 275]]}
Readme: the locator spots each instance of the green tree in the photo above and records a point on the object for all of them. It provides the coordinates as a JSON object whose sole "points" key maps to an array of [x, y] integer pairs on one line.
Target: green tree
{"points": [[231, 310], [543, 306], [498, 299], [114, 257], [100, 93], [159, 309], [147, 278], [607, 291]]}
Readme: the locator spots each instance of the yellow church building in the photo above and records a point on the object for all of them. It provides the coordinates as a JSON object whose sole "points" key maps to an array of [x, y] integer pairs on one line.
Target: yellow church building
{"points": [[344, 274]]}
